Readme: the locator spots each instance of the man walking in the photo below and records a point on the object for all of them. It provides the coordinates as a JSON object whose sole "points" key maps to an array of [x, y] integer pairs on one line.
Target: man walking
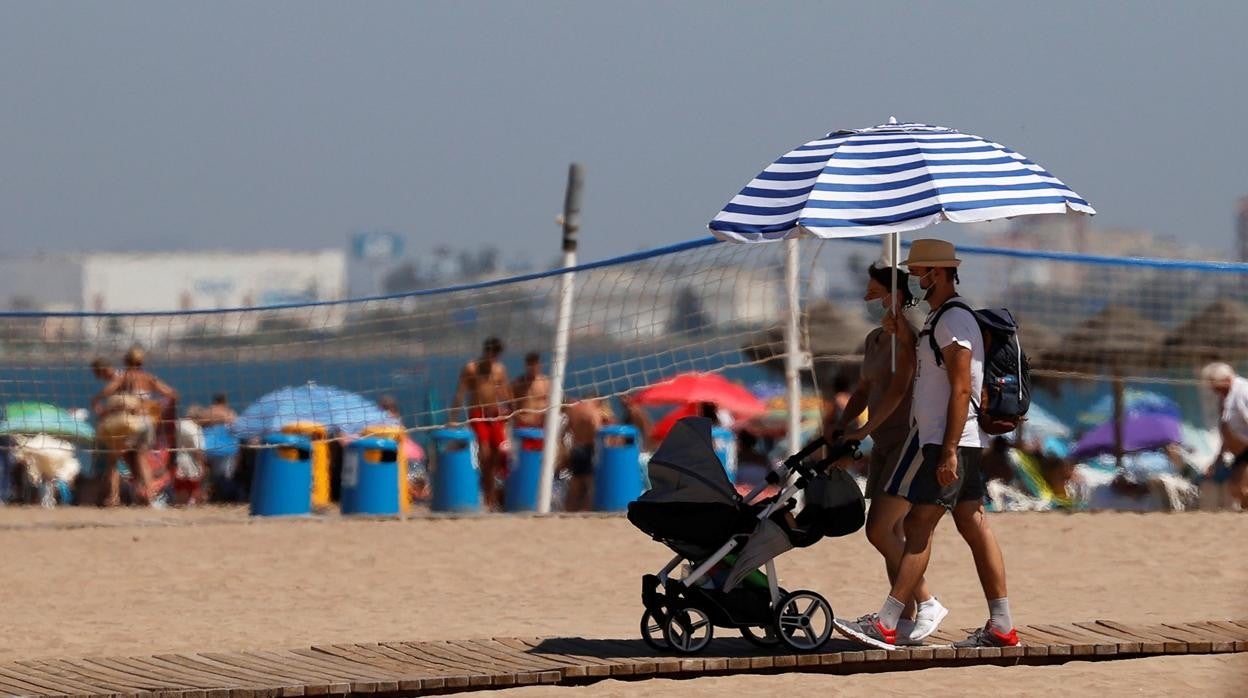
{"points": [[531, 392], [939, 465], [1232, 392]]}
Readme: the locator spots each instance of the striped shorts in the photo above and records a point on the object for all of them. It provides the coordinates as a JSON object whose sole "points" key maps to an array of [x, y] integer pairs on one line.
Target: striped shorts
{"points": [[914, 477]]}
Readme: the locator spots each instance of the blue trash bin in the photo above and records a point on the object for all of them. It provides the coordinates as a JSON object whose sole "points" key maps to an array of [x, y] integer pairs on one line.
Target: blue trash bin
{"points": [[282, 482], [726, 448], [526, 471], [455, 475], [617, 470], [370, 477]]}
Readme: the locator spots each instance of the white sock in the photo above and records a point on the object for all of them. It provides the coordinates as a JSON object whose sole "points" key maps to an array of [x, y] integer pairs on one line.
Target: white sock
{"points": [[890, 613], [999, 614], [929, 605]]}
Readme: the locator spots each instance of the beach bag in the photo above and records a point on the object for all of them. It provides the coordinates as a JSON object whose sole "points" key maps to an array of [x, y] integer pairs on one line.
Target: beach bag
{"points": [[1006, 396]]}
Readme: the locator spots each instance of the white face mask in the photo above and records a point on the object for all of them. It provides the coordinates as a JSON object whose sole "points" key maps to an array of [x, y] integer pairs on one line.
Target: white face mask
{"points": [[916, 285]]}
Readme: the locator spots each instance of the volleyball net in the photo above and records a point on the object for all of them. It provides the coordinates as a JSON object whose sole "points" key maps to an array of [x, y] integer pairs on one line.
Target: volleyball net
{"points": [[701, 306]]}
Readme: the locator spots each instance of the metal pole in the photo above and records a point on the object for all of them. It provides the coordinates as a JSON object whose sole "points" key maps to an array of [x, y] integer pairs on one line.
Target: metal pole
{"points": [[793, 357], [892, 257], [571, 221]]}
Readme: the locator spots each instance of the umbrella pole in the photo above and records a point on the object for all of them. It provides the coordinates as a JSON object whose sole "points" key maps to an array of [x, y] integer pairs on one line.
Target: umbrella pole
{"points": [[1118, 418], [892, 255], [559, 357], [793, 349]]}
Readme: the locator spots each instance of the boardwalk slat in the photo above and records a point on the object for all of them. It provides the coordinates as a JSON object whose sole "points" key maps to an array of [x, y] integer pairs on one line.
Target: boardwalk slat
{"points": [[365, 685], [87, 685], [239, 687], [1149, 644], [20, 686], [133, 684], [569, 667], [157, 670], [1237, 634], [1172, 645], [289, 681], [1196, 644], [452, 677], [260, 685], [1126, 645], [147, 676], [1054, 646], [1080, 645], [1102, 645], [215, 686], [336, 682], [1218, 641], [466, 672], [314, 682]]}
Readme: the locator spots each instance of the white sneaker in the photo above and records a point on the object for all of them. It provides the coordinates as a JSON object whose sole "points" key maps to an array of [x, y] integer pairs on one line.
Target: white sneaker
{"points": [[913, 632]]}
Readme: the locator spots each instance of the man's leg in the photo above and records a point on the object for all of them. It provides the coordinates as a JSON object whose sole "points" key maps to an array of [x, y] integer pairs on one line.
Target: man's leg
{"points": [[1237, 485], [989, 563], [920, 524], [886, 531]]}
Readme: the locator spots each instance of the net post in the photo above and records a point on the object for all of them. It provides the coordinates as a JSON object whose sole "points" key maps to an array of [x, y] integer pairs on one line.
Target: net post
{"points": [[570, 220], [793, 348]]}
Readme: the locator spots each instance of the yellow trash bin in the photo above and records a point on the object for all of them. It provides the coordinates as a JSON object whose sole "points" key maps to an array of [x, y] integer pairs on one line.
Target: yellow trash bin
{"points": [[320, 458], [386, 431]]}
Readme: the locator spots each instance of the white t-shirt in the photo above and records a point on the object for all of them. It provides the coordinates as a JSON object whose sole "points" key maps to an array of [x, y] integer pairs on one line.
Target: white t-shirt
{"points": [[1235, 408], [931, 384]]}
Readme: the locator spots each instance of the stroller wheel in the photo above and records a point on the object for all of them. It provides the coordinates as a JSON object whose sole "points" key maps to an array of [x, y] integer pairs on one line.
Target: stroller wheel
{"points": [[652, 633], [688, 630], [803, 620], [760, 636]]}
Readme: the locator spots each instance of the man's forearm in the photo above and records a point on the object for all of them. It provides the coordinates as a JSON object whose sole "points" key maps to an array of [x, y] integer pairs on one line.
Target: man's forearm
{"points": [[857, 403], [955, 417]]}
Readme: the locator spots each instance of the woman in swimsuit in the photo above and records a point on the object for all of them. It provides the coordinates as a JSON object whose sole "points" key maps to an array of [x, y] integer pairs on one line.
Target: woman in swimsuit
{"points": [[129, 408]]}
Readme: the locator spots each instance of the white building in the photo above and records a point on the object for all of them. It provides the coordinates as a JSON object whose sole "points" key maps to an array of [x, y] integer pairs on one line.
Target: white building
{"points": [[174, 283]]}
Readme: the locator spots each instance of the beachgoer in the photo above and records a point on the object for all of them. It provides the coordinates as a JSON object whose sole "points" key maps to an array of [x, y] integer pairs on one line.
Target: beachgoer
{"points": [[104, 372], [486, 393], [1232, 392], [218, 413], [129, 407], [886, 394], [585, 417], [636, 417], [531, 392], [939, 466]]}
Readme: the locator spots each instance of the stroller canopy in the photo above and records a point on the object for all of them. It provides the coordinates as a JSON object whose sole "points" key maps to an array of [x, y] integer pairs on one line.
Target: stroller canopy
{"points": [[686, 468]]}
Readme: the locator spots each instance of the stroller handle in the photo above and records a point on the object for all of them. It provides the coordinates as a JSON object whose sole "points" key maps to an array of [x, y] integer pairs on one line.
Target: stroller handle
{"points": [[806, 451], [795, 463]]}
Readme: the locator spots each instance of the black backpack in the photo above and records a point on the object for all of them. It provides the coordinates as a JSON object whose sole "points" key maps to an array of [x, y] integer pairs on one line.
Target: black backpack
{"points": [[1007, 372]]}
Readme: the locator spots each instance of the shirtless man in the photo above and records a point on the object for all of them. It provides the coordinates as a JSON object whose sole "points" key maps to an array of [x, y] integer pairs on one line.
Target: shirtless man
{"points": [[532, 394], [585, 417], [486, 393]]}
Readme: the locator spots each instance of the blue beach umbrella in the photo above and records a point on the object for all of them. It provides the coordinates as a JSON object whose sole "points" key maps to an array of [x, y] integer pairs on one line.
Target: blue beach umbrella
{"points": [[887, 179], [337, 410], [890, 178], [1134, 402]]}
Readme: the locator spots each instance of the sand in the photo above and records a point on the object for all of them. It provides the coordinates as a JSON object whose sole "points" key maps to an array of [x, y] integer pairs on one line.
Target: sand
{"points": [[84, 582]]}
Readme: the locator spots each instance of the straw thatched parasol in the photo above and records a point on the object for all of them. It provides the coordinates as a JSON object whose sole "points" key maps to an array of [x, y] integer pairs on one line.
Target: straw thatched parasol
{"points": [[1116, 340], [1219, 332]]}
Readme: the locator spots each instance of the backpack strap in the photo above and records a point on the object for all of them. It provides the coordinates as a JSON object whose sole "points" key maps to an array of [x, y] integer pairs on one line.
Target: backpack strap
{"points": [[930, 331]]}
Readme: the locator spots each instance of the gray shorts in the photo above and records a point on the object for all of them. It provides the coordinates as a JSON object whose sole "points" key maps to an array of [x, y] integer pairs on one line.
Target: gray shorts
{"points": [[914, 478]]}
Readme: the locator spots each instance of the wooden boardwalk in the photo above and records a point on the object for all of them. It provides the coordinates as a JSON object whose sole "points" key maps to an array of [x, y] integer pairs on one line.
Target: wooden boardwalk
{"points": [[423, 668]]}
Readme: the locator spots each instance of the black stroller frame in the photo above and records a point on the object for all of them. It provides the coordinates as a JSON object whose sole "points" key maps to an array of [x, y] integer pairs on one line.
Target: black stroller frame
{"points": [[682, 612]]}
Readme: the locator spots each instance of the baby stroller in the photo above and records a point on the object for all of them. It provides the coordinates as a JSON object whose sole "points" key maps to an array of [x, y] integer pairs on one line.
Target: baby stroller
{"points": [[693, 509]]}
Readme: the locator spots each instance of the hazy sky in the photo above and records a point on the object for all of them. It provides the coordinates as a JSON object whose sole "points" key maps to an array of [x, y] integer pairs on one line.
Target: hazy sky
{"points": [[172, 125]]}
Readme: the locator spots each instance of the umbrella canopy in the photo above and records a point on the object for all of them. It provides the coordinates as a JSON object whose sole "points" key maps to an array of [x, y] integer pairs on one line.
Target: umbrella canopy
{"points": [[1140, 432], [774, 422], [1118, 338], [335, 409], [702, 387], [1218, 332], [42, 418], [890, 179]]}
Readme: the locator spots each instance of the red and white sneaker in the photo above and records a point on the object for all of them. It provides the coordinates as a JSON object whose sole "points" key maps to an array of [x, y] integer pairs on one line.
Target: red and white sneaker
{"points": [[989, 636], [869, 631]]}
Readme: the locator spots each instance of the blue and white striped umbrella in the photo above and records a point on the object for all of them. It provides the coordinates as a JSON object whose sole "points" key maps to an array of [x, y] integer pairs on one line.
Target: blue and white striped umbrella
{"points": [[890, 179]]}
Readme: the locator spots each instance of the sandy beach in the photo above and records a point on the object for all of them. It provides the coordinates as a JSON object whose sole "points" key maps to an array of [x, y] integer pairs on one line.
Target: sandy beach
{"points": [[86, 582]]}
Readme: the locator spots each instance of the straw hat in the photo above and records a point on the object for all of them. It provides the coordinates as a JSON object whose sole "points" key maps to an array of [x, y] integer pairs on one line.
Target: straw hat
{"points": [[932, 253]]}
